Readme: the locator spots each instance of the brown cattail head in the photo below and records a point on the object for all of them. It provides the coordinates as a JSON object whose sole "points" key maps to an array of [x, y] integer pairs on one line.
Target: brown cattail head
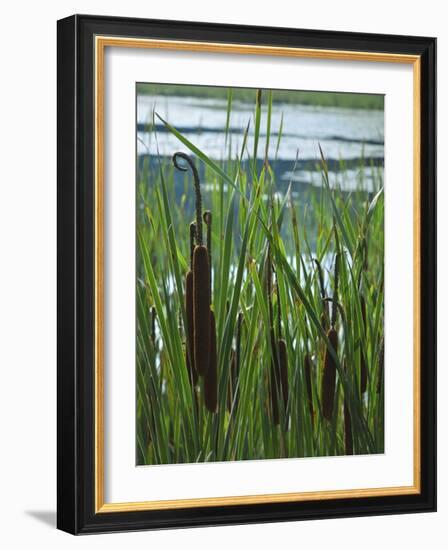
{"points": [[201, 309], [309, 392], [363, 351], [283, 364], [211, 377], [192, 372], [329, 376]]}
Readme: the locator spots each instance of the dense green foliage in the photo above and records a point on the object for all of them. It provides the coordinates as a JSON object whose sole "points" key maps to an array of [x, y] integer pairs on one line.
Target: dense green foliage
{"points": [[266, 287]]}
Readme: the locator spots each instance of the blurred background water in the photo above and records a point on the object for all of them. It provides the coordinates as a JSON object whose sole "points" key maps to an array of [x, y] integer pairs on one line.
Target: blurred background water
{"points": [[352, 139]]}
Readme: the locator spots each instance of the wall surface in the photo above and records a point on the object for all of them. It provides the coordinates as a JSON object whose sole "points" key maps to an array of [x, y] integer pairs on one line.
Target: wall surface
{"points": [[28, 273]]}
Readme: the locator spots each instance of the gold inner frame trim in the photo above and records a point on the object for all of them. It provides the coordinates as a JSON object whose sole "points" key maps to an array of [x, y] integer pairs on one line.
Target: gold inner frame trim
{"points": [[101, 42]]}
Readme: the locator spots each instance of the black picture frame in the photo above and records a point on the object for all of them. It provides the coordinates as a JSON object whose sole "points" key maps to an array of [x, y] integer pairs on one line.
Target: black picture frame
{"points": [[76, 225]]}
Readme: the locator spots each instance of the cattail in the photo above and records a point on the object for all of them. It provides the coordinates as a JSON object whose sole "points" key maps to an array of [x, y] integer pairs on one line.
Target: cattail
{"points": [[329, 376], [363, 351], [309, 392], [380, 367], [201, 309], [211, 377], [201, 278], [193, 375]]}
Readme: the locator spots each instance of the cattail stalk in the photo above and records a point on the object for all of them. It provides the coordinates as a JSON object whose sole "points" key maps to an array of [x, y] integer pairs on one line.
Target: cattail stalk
{"points": [[197, 190], [211, 377], [192, 241], [329, 376]]}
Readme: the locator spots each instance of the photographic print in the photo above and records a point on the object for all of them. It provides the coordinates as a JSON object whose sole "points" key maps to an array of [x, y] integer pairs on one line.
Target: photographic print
{"points": [[259, 274], [246, 274]]}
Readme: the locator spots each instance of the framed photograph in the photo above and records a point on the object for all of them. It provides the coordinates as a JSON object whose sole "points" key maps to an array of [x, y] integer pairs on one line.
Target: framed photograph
{"points": [[246, 274]]}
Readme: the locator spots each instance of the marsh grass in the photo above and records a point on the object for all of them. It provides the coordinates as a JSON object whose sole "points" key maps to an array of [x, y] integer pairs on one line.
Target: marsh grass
{"points": [[275, 320]]}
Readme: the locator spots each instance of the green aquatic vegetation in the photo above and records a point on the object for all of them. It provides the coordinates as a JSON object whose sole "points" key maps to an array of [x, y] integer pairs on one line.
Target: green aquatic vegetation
{"points": [[259, 313]]}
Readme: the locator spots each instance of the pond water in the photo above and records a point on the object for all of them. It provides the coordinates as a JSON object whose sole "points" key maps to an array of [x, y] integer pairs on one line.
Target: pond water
{"points": [[355, 136]]}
